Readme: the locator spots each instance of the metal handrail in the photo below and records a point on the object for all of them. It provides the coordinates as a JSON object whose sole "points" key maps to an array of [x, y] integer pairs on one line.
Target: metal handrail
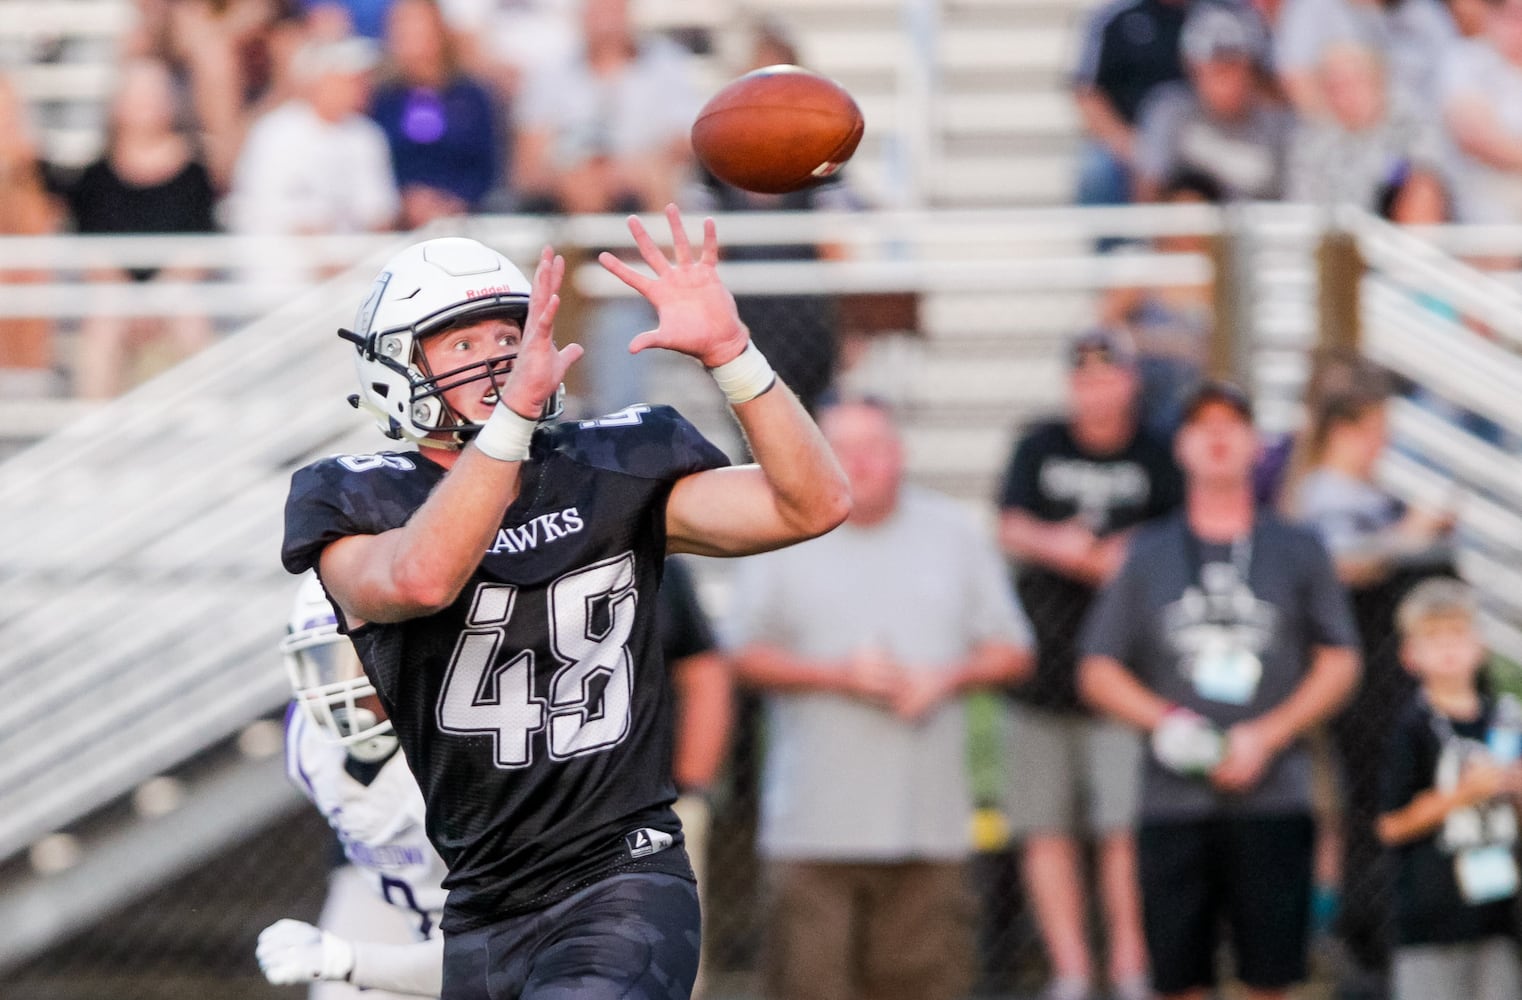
{"points": [[1407, 258], [885, 251]]}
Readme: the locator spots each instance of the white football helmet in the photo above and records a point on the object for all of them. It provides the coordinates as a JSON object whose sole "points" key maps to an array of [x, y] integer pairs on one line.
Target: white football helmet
{"points": [[326, 677], [422, 291]]}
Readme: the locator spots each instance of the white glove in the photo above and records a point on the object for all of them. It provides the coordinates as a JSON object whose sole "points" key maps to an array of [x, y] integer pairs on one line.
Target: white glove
{"points": [[1187, 743], [292, 952]]}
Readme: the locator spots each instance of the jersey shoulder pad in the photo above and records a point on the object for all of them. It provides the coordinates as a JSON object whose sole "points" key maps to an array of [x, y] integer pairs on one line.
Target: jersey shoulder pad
{"points": [[643, 440], [351, 495]]}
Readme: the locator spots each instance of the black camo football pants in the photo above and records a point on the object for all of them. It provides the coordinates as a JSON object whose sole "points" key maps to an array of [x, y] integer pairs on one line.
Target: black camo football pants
{"points": [[633, 936]]}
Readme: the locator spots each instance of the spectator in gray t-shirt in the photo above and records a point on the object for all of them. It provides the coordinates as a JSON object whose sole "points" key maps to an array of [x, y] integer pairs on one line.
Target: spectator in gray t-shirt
{"points": [[864, 642], [1220, 122], [1226, 636]]}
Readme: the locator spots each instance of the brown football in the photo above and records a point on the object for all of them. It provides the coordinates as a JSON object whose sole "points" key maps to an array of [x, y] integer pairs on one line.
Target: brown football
{"points": [[777, 129]]}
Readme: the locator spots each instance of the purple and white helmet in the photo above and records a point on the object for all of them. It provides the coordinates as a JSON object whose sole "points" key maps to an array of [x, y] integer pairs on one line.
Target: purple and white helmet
{"points": [[326, 678]]}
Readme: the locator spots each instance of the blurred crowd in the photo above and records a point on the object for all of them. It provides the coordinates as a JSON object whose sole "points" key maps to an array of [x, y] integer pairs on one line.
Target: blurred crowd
{"points": [[1398, 107], [407, 111], [1341, 845], [352, 116], [1318, 101]]}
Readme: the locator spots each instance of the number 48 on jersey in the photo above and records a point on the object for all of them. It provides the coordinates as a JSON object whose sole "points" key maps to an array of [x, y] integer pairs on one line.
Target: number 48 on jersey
{"points": [[489, 690]]}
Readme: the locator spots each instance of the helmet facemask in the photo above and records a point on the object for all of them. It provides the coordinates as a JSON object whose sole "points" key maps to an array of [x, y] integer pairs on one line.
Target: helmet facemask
{"points": [[330, 686], [428, 411]]}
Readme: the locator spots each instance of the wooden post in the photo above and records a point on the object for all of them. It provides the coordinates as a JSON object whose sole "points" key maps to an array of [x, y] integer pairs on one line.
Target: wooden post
{"points": [[1221, 359], [1339, 269]]}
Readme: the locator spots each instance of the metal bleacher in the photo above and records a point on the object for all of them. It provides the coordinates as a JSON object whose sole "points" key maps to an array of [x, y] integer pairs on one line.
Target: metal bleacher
{"points": [[967, 101], [62, 56], [141, 596]]}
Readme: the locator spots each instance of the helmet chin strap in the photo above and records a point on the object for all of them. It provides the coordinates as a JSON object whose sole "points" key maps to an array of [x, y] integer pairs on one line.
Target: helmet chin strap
{"points": [[373, 750], [460, 435]]}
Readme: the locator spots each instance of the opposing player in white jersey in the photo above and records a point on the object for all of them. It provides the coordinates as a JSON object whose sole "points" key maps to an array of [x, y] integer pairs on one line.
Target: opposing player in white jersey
{"points": [[342, 754]]}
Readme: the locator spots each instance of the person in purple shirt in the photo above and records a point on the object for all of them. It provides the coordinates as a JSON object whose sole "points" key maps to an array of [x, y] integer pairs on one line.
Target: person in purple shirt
{"points": [[444, 128]]}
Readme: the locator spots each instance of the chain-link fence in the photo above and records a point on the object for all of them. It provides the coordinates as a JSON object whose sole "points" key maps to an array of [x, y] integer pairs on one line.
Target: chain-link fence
{"points": [[194, 936]]}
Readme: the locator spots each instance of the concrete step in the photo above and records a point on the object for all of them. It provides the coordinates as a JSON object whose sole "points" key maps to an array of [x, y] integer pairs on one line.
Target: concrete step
{"points": [[979, 319], [1048, 49], [995, 180], [981, 113]]}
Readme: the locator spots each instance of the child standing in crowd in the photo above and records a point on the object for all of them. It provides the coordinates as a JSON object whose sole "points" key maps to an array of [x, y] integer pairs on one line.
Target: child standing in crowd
{"points": [[1450, 783]]}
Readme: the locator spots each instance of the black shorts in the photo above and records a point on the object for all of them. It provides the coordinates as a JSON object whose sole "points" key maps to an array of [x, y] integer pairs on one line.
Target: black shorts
{"points": [[1252, 872], [634, 936]]}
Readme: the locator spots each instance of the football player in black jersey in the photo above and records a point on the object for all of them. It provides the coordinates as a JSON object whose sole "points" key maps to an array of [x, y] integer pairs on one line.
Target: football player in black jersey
{"points": [[500, 586]]}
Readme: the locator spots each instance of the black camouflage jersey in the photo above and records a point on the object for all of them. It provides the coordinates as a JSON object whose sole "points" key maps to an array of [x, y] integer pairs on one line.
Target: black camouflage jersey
{"points": [[535, 710]]}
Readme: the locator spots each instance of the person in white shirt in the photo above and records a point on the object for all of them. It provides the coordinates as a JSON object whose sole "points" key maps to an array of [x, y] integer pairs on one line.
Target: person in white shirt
{"points": [[606, 128], [317, 164]]}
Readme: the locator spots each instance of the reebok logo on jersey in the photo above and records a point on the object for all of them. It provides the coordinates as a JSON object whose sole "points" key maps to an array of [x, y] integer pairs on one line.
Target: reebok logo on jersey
{"points": [[543, 529], [645, 842]]}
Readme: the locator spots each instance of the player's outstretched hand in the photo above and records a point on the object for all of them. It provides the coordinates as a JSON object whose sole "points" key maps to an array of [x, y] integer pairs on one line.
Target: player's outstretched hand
{"points": [[540, 367], [696, 314], [291, 952]]}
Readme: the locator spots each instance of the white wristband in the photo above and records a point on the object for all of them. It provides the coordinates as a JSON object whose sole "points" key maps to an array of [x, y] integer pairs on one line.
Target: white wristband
{"points": [[746, 377], [506, 435]]}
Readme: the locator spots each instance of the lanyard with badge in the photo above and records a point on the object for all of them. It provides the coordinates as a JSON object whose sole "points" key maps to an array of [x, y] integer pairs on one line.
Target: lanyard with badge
{"points": [[1480, 837], [1223, 669]]}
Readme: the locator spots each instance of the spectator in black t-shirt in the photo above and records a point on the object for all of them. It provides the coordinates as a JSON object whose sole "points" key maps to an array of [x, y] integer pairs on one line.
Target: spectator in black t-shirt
{"points": [[1449, 790], [149, 180], [1129, 47], [1072, 491]]}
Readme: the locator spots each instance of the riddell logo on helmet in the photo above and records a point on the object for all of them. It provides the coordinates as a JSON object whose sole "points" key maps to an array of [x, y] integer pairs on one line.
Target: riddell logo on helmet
{"points": [[481, 293]]}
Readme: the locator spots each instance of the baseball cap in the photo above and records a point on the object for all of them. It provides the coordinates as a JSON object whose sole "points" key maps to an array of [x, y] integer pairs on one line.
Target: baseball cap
{"points": [[1216, 390], [344, 55], [1110, 346], [1216, 31]]}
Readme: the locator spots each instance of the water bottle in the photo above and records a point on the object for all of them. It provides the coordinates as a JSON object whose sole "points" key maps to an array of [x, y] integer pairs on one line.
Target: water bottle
{"points": [[1505, 736]]}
